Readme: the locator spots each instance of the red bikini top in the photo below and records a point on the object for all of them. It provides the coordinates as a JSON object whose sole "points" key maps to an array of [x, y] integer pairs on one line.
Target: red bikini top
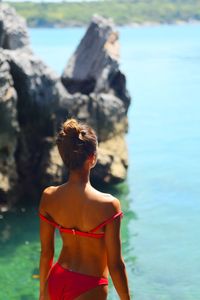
{"points": [[90, 233]]}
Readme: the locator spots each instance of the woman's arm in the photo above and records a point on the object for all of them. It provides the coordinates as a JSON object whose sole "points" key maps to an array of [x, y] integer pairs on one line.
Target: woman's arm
{"points": [[116, 264], [47, 246]]}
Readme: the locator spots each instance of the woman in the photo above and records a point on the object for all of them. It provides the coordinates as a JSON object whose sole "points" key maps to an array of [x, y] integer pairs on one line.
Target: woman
{"points": [[89, 224]]}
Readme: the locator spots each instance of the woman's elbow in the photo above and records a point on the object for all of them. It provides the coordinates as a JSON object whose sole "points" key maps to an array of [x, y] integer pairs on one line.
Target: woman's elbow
{"points": [[118, 265]]}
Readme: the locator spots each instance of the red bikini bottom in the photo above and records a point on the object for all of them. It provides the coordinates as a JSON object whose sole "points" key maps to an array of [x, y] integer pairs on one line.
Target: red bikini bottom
{"points": [[64, 284]]}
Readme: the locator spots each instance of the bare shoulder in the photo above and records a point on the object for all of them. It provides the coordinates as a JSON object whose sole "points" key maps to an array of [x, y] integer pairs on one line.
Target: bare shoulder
{"points": [[49, 190], [113, 204], [45, 198], [48, 193], [110, 204]]}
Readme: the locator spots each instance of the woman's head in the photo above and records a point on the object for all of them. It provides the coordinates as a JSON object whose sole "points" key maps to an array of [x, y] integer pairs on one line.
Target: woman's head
{"points": [[76, 143]]}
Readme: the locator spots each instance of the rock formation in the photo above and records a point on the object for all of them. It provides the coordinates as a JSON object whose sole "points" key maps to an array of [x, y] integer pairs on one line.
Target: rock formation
{"points": [[13, 30], [100, 97], [94, 67], [33, 107], [8, 130], [39, 116], [34, 101]]}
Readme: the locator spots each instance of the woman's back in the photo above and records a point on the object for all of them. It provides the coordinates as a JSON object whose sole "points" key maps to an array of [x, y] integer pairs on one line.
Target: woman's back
{"points": [[81, 208]]}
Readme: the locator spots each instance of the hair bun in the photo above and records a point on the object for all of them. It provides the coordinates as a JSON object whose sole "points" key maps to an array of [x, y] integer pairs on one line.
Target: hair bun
{"points": [[76, 141], [71, 128]]}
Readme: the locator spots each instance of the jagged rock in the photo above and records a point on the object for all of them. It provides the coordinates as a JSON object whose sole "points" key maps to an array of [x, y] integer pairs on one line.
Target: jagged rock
{"points": [[100, 97], [8, 131], [54, 166], [104, 112], [13, 31], [87, 63], [42, 87], [112, 160], [39, 104], [40, 93], [94, 67]]}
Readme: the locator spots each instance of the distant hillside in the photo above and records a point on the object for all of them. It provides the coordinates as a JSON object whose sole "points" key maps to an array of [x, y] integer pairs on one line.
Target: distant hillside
{"points": [[122, 12]]}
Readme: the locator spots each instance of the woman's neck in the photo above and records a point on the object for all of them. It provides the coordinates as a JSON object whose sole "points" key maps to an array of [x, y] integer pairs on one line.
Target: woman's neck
{"points": [[79, 176]]}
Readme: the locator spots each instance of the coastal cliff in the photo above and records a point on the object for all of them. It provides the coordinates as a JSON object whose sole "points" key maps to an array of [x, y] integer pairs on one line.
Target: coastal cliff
{"points": [[34, 100]]}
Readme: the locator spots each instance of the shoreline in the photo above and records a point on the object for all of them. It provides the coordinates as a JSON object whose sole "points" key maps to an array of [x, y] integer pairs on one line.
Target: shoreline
{"points": [[133, 25], [123, 13]]}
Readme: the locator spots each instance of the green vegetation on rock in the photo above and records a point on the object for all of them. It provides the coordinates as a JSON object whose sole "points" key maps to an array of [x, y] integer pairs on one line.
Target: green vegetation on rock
{"points": [[62, 14]]}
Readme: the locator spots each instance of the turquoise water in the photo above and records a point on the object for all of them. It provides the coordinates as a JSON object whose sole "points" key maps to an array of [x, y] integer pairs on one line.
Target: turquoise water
{"points": [[160, 198]]}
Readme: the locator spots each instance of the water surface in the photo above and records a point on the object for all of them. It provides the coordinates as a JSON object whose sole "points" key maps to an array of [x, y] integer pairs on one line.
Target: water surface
{"points": [[160, 198]]}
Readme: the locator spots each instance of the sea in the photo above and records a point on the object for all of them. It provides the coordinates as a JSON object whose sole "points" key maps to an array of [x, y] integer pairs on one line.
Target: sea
{"points": [[161, 195]]}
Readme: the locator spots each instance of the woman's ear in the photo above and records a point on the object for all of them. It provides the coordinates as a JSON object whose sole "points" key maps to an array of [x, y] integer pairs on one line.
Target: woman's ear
{"points": [[92, 160]]}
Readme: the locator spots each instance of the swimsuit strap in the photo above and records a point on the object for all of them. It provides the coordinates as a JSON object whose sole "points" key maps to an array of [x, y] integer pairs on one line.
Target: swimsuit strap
{"points": [[91, 233], [48, 221], [119, 214], [82, 233], [71, 231]]}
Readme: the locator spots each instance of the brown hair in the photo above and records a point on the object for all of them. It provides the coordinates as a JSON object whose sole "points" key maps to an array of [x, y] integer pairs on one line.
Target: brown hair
{"points": [[76, 141]]}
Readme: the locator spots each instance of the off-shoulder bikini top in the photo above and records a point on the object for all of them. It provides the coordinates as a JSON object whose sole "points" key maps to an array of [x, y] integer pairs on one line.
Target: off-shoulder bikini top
{"points": [[92, 233]]}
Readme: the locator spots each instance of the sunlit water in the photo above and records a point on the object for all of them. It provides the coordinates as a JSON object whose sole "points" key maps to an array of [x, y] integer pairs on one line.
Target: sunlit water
{"points": [[161, 227]]}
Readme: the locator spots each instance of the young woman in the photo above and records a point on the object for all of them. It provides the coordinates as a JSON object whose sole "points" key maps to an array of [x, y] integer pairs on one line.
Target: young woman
{"points": [[89, 224]]}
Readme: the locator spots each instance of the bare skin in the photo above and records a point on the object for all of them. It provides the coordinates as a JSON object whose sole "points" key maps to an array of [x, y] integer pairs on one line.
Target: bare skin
{"points": [[76, 204]]}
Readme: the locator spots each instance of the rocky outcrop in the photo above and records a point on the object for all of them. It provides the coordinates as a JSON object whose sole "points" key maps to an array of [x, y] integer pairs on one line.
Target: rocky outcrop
{"points": [[112, 160], [13, 30], [34, 101], [100, 97], [39, 116], [104, 112], [33, 107], [94, 67], [8, 131]]}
